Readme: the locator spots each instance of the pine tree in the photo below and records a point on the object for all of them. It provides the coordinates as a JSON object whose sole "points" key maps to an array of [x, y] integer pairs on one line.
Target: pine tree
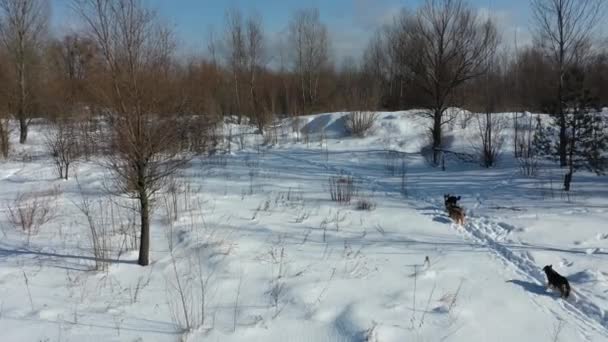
{"points": [[586, 129], [587, 136], [543, 140], [593, 142]]}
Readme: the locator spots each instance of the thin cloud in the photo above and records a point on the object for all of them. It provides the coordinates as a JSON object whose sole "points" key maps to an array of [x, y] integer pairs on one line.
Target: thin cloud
{"points": [[371, 14]]}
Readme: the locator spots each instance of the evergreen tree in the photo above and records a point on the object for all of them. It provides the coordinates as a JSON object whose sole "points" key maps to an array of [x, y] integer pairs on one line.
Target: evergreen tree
{"points": [[593, 142], [543, 140], [587, 134]]}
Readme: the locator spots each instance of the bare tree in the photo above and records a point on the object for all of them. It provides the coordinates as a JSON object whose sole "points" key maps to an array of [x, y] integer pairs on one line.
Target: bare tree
{"points": [[448, 46], [246, 57], [529, 155], [564, 29], [399, 53], [376, 61], [256, 59], [236, 54], [62, 144], [136, 51], [4, 137], [5, 133], [309, 45], [491, 126], [23, 24], [491, 138], [5, 127], [72, 59]]}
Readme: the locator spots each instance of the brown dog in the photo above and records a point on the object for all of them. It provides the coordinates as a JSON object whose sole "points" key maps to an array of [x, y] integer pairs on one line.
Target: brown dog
{"points": [[456, 214], [450, 201]]}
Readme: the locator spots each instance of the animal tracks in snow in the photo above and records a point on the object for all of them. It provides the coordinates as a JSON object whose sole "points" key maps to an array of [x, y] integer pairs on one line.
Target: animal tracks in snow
{"points": [[484, 231], [494, 235]]}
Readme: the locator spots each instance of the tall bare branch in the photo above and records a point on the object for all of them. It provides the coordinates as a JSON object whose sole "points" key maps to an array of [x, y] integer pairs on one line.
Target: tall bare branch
{"points": [[23, 26], [564, 29]]}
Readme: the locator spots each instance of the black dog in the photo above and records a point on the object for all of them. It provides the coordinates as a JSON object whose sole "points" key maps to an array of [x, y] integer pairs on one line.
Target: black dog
{"points": [[557, 281], [450, 201]]}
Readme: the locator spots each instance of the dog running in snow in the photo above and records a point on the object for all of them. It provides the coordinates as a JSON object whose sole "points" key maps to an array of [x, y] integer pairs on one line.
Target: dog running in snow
{"points": [[450, 201], [455, 212], [557, 281]]}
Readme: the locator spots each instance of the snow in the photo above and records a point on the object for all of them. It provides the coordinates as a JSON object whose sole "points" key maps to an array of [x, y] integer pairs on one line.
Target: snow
{"points": [[281, 262]]}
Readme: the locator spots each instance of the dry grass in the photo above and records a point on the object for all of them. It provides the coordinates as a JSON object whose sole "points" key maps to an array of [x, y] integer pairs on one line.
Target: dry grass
{"points": [[30, 211], [342, 189], [365, 204]]}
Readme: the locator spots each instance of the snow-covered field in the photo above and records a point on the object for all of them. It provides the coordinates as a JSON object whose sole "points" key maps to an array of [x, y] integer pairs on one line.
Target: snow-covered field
{"points": [[261, 253]]}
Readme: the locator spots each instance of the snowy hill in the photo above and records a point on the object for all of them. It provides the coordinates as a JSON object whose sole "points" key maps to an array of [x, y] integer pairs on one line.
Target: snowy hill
{"points": [[249, 246]]}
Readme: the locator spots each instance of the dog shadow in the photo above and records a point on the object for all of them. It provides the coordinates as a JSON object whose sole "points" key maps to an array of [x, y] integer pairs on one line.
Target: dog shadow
{"points": [[442, 219], [531, 287]]}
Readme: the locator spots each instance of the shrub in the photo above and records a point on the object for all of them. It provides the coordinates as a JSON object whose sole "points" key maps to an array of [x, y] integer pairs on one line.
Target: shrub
{"points": [[365, 204], [490, 138], [341, 189], [100, 238], [392, 161], [359, 123], [63, 147], [29, 212], [89, 134]]}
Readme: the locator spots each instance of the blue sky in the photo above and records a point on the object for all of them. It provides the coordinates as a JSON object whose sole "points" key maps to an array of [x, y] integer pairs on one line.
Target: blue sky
{"points": [[350, 22]]}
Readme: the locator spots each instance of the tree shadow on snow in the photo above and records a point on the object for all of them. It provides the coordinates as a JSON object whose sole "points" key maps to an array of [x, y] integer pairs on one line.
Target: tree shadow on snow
{"points": [[538, 247], [59, 260], [531, 287]]}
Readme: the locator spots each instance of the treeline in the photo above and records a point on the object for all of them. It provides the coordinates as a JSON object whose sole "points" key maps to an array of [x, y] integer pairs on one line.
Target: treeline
{"points": [[440, 55]]}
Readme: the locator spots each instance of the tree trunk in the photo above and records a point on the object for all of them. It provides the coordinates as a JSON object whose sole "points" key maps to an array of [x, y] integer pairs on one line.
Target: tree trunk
{"points": [[570, 160], [238, 98], [22, 128], [303, 85], [256, 109], [436, 132], [4, 142], [567, 181], [563, 140], [144, 243], [489, 156], [515, 135], [21, 110]]}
